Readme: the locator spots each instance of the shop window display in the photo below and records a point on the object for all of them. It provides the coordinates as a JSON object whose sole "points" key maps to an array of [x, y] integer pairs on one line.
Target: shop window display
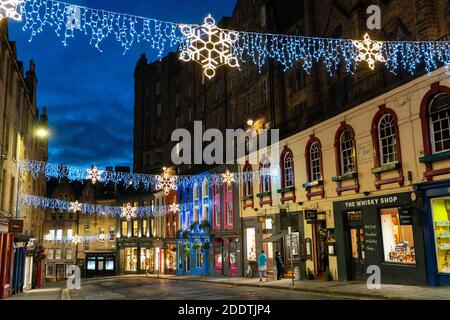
{"points": [[441, 222], [251, 244], [130, 259], [147, 258], [398, 237]]}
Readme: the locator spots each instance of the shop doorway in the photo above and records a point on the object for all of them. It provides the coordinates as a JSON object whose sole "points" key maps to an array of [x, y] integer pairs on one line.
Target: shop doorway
{"points": [[60, 272], [320, 256], [356, 249]]}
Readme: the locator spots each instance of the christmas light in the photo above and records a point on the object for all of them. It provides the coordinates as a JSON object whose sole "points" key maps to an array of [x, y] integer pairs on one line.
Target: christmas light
{"points": [[212, 46], [166, 182], [209, 46], [128, 212], [228, 177], [11, 9], [369, 51], [174, 207], [94, 174], [75, 206], [76, 239]]}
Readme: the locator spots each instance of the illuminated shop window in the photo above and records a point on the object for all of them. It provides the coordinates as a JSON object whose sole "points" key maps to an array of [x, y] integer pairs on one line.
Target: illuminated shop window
{"points": [[398, 237], [251, 244], [441, 222], [130, 257]]}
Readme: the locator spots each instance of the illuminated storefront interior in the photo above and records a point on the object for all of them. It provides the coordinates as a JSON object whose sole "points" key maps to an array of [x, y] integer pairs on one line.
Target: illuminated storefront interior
{"points": [[441, 227]]}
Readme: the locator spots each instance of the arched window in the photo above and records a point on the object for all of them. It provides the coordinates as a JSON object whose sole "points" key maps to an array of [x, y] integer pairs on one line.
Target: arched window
{"points": [[439, 114], [347, 152], [387, 140], [196, 191], [287, 169], [265, 177], [248, 184], [315, 161], [205, 190]]}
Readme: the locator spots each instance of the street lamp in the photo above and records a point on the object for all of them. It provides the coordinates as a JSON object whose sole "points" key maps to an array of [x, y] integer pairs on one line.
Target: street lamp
{"points": [[250, 122], [41, 132]]}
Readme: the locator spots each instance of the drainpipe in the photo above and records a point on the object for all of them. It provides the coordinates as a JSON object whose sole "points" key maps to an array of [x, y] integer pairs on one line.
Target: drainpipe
{"points": [[4, 124]]}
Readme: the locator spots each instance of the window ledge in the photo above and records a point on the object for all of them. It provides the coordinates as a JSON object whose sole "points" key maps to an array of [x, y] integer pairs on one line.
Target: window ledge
{"points": [[385, 168], [345, 177], [311, 184], [249, 197], [264, 194], [435, 157], [284, 190]]}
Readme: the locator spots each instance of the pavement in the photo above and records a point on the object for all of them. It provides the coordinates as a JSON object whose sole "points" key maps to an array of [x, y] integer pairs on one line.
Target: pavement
{"points": [[138, 287], [48, 291]]}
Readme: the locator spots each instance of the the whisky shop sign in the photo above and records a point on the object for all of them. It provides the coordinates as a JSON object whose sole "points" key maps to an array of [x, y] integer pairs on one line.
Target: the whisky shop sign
{"points": [[398, 199]]}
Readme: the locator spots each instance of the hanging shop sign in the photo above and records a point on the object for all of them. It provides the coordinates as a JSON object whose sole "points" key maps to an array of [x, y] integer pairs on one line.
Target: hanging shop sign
{"points": [[310, 214], [15, 226]]}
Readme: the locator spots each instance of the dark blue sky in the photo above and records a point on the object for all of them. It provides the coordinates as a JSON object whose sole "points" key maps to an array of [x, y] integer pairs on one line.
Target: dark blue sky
{"points": [[89, 94]]}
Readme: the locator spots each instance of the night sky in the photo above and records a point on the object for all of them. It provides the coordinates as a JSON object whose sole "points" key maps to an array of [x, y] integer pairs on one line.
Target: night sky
{"points": [[89, 94]]}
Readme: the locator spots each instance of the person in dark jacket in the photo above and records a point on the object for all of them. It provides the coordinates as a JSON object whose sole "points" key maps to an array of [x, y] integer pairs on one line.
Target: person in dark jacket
{"points": [[280, 264]]}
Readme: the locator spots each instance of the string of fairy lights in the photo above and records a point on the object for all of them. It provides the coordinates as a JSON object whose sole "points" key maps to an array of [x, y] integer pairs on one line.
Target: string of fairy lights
{"points": [[212, 46], [137, 181]]}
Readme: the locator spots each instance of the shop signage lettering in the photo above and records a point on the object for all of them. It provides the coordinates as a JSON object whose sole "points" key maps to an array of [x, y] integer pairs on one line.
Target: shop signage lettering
{"points": [[311, 214], [405, 217], [371, 237], [371, 202]]}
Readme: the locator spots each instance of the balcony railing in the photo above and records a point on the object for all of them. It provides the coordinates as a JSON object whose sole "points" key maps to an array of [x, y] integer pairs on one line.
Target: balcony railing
{"points": [[350, 95]]}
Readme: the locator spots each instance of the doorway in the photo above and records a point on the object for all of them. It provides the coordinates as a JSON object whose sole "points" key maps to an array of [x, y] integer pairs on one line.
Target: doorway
{"points": [[320, 254], [356, 248], [60, 272]]}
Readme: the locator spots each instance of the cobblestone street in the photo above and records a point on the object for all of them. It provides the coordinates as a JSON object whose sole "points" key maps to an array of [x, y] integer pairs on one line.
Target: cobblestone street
{"points": [[149, 289]]}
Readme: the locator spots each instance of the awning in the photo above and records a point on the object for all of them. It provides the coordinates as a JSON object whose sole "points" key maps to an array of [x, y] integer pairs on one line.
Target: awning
{"points": [[276, 236]]}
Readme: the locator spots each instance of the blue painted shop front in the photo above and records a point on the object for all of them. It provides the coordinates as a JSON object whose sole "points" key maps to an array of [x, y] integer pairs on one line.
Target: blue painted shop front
{"points": [[193, 246], [436, 226]]}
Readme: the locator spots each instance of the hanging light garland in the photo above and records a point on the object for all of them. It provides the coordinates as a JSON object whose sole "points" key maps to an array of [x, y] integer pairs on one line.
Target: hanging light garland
{"points": [[129, 212], [212, 46], [165, 181]]}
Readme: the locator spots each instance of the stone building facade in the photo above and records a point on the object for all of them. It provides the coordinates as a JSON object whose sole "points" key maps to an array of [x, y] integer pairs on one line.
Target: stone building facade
{"points": [[19, 126]]}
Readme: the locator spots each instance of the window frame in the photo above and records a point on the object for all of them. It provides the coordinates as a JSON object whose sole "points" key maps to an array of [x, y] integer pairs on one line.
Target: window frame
{"points": [[393, 135], [284, 174]]}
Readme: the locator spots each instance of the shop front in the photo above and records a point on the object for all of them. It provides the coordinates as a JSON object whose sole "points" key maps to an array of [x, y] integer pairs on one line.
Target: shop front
{"points": [[436, 217], [6, 258], [384, 231], [226, 253], [271, 234], [100, 263], [134, 257], [170, 257]]}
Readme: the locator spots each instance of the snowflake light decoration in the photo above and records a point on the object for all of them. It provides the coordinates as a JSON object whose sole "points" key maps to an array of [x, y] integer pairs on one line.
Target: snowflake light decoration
{"points": [[75, 206], [228, 177], [10, 9], [369, 50], [209, 46], [166, 182], [128, 212], [94, 174], [76, 239], [174, 208]]}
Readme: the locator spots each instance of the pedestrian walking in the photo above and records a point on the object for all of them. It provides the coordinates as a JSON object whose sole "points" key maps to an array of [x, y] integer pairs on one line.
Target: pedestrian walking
{"points": [[262, 265], [280, 264]]}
